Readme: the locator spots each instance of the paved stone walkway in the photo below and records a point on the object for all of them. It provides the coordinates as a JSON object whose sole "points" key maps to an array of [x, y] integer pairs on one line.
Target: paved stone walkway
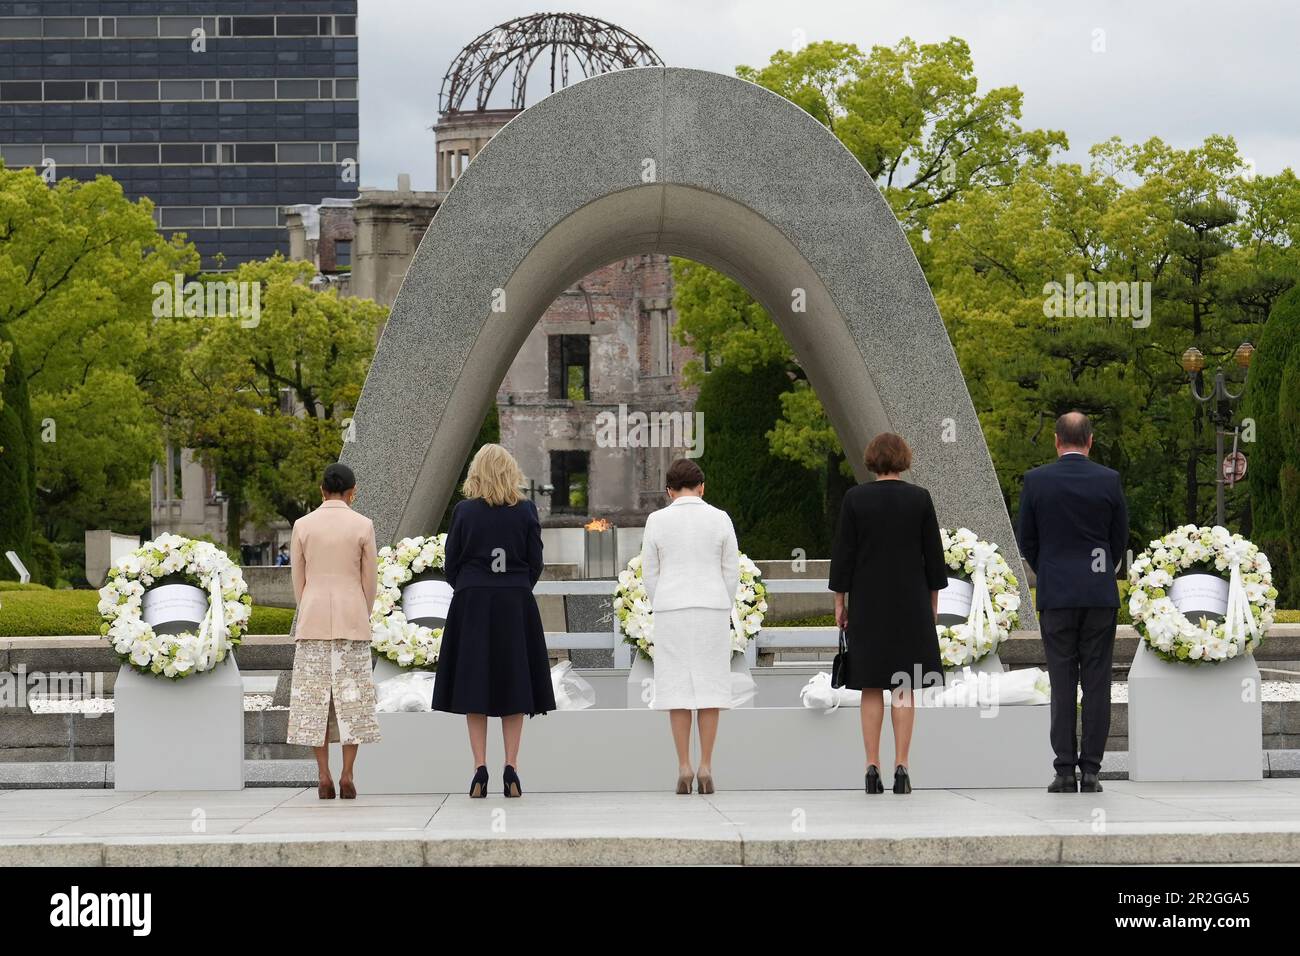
{"points": [[1255, 822]]}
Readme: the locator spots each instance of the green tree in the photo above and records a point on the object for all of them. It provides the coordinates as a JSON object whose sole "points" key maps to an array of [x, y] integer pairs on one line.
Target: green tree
{"points": [[264, 399], [77, 265], [767, 497], [913, 117], [1275, 460], [17, 467]]}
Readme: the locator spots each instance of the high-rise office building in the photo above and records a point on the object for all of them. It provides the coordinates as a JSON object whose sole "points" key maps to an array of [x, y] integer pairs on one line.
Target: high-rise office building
{"points": [[222, 112]]}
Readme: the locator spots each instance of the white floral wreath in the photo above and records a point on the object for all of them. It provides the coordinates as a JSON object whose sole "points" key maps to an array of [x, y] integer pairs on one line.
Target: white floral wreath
{"points": [[175, 656], [636, 620], [405, 643], [995, 605], [1192, 549]]}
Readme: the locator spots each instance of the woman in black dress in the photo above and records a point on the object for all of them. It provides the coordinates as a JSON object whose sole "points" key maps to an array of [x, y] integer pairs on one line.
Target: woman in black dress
{"points": [[888, 561], [493, 659]]}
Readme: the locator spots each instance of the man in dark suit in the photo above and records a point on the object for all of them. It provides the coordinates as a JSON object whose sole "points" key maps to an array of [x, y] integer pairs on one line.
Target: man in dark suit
{"points": [[1073, 531]]}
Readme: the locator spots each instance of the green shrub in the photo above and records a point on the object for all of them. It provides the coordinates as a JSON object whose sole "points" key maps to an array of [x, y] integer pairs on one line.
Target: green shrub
{"points": [[775, 504], [46, 567]]}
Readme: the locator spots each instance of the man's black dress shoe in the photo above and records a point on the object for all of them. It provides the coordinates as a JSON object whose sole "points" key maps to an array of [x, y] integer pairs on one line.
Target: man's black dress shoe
{"points": [[1090, 784], [1064, 783]]}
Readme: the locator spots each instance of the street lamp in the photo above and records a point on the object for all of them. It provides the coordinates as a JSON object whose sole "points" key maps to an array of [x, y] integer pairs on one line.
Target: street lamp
{"points": [[1220, 400]]}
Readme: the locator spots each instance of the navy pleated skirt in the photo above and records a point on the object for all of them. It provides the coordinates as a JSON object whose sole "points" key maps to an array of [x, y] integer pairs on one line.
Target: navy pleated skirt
{"points": [[493, 659]]}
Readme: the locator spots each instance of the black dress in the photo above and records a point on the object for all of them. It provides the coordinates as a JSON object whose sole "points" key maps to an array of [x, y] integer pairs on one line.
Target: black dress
{"points": [[888, 557], [493, 659]]}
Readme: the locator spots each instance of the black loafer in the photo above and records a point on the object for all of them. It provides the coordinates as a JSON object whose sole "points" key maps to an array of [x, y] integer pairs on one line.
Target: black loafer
{"points": [[1090, 783], [1064, 783]]}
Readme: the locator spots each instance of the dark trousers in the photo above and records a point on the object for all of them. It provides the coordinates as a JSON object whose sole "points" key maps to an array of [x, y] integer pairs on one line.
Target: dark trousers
{"points": [[1080, 642]]}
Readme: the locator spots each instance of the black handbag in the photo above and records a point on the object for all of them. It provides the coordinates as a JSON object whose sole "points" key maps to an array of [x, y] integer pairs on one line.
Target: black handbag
{"points": [[840, 666]]}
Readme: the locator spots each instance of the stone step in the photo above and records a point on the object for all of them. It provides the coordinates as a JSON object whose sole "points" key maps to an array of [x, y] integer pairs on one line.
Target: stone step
{"points": [[299, 772], [27, 737]]}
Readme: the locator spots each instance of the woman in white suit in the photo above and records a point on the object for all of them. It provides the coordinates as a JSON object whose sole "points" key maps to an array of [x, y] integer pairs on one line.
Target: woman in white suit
{"points": [[690, 564]]}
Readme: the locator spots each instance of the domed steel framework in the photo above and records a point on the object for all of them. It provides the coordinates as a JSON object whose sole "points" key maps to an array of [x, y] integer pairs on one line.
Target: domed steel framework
{"points": [[593, 45]]}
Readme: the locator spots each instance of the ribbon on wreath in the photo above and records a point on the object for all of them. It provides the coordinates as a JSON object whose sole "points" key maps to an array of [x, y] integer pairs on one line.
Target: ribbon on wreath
{"points": [[213, 624], [982, 614], [1238, 621]]}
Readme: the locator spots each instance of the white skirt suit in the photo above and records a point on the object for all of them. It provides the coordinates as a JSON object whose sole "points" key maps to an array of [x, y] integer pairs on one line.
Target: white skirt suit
{"points": [[690, 565]]}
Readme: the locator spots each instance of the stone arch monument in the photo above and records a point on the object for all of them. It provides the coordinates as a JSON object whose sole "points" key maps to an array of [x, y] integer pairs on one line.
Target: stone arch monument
{"points": [[688, 163]]}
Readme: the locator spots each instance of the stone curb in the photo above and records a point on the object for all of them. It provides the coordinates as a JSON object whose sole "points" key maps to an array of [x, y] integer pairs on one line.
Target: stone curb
{"points": [[98, 774], [380, 849]]}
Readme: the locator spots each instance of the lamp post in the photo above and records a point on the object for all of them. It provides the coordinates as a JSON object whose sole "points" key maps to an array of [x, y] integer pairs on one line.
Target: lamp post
{"points": [[1221, 401]]}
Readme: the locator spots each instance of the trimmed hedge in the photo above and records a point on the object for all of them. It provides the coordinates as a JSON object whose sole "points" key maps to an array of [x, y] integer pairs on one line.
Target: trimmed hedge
{"points": [[34, 611]]}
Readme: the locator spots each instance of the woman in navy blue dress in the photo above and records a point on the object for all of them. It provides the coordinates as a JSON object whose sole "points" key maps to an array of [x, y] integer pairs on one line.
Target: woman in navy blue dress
{"points": [[493, 659]]}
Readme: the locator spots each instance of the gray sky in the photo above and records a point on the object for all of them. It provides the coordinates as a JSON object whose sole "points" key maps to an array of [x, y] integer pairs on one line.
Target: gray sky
{"points": [[1178, 69]]}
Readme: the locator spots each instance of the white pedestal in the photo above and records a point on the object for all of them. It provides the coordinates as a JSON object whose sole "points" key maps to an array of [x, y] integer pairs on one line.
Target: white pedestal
{"points": [[640, 682], [179, 735], [989, 664], [1194, 722], [641, 676], [384, 669], [759, 748]]}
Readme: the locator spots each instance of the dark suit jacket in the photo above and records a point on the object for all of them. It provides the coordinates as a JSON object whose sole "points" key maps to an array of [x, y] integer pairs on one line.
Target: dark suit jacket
{"points": [[494, 546], [1071, 512]]}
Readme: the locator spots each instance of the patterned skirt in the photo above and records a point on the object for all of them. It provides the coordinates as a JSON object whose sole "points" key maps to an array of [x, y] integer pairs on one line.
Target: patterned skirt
{"points": [[333, 696]]}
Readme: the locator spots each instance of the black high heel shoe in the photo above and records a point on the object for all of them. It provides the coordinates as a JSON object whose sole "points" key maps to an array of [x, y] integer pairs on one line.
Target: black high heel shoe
{"points": [[511, 779], [873, 780], [478, 786], [902, 782]]}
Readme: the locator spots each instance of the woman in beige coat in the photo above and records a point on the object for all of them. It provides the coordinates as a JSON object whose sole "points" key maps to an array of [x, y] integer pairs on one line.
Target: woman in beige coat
{"points": [[333, 559]]}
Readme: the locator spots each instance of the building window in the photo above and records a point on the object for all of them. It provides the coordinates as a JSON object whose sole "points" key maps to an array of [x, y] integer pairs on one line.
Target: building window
{"points": [[296, 26], [252, 27], [183, 153], [343, 254], [254, 152], [569, 478], [175, 480], [569, 367], [20, 27]]}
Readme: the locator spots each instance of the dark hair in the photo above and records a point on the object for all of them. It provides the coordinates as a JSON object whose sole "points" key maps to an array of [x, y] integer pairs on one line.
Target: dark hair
{"points": [[1074, 430], [338, 479], [684, 473], [888, 454]]}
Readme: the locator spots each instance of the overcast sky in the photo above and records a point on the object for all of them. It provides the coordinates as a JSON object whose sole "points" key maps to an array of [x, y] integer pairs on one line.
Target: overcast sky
{"points": [[1178, 69]]}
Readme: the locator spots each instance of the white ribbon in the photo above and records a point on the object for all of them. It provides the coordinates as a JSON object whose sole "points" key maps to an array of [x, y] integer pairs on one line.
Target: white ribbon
{"points": [[214, 621], [981, 609], [1238, 621]]}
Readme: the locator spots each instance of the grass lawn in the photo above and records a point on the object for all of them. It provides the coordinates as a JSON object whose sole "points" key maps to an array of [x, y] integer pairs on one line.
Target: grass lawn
{"points": [[35, 611]]}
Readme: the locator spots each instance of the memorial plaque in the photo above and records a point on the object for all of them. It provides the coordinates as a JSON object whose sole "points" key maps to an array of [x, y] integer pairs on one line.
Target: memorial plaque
{"points": [[426, 598], [955, 601], [1200, 595], [174, 608]]}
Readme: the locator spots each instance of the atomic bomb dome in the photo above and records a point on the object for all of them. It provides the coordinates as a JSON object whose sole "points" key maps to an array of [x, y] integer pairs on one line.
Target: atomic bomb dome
{"points": [[563, 45]]}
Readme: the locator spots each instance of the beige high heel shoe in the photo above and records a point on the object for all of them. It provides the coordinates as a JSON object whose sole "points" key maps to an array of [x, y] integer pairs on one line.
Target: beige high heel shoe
{"points": [[684, 782], [704, 779]]}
